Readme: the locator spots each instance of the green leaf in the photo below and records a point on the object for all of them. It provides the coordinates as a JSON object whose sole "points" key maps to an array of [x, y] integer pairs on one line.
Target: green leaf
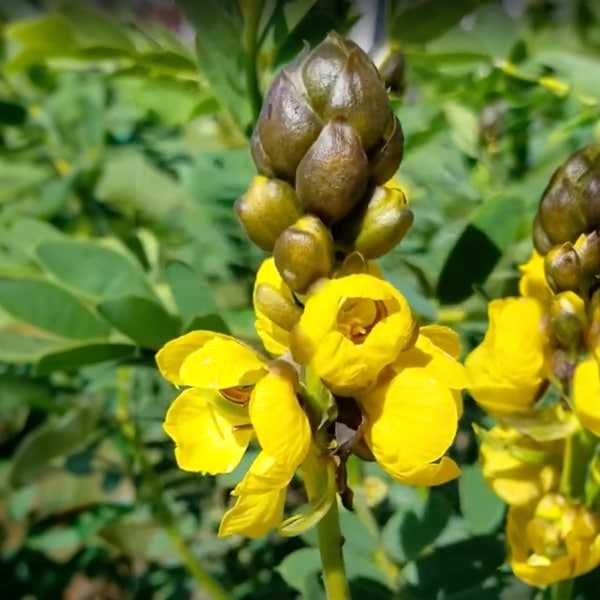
{"points": [[144, 321], [296, 568], [19, 348], [49, 307], [219, 30], [479, 248], [96, 270], [481, 508], [56, 437], [191, 290], [426, 20], [73, 357], [212, 322]]}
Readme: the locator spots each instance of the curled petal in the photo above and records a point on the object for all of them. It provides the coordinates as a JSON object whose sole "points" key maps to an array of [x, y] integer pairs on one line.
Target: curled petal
{"points": [[264, 475], [254, 515], [280, 424], [208, 439]]}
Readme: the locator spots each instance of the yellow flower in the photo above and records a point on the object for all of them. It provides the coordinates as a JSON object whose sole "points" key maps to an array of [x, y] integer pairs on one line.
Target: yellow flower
{"points": [[554, 540], [508, 368], [519, 469], [351, 329], [533, 282], [586, 394], [412, 413], [275, 308], [234, 396]]}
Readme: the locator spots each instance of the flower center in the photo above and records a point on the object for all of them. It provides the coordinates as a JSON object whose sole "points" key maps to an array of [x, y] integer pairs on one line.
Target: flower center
{"points": [[357, 317], [238, 395]]}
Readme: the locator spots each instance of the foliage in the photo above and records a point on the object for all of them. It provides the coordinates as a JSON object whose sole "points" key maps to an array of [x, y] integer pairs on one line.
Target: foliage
{"points": [[122, 150]]}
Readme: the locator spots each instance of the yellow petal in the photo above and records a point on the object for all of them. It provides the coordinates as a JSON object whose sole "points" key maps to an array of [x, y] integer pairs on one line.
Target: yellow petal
{"points": [[443, 337], [264, 475], [586, 394], [430, 475], [254, 515], [533, 279], [280, 424], [207, 438], [222, 362], [411, 423]]}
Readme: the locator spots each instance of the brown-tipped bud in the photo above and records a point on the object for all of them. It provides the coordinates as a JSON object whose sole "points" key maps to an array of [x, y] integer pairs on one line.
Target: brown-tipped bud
{"points": [[379, 225], [287, 126], [570, 204], [387, 159], [563, 268], [333, 175], [260, 158], [268, 207], [276, 307], [567, 318], [304, 253], [360, 96], [541, 241], [589, 255]]}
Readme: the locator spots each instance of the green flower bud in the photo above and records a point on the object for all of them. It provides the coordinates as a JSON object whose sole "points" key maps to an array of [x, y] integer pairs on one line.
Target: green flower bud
{"points": [[268, 207], [563, 268], [378, 225], [333, 175], [589, 255], [276, 307], [567, 318], [287, 126], [570, 204], [387, 159], [304, 253]]}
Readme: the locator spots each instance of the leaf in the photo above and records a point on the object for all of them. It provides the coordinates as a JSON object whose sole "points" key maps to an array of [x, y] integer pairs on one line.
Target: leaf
{"points": [[481, 508], [19, 348], [191, 290], [12, 113], [73, 357], [298, 566], [219, 30], [428, 19], [96, 270], [144, 321], [49, 307], [211, 322], [56, 437], [479, 248]]}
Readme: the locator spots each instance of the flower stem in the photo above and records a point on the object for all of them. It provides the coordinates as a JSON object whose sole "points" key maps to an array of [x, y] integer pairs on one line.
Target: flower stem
{"points": [[160, 509], [332, 558], [254, 13], [562, 590]]}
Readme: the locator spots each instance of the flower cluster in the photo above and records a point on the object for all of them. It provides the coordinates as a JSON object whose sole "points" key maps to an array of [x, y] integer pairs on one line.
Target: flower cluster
{"points": [[536, 371], [346, 368]]}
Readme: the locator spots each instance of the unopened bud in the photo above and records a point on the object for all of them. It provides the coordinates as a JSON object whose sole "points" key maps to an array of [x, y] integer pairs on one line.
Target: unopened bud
{"points": [[387, 159], [268, 207], [304, 253], [541, 242], [332, 176], [567, 318], [287, 126], [379, 225], [360, 96], [276, 307], [589, 255], [562, 268]]}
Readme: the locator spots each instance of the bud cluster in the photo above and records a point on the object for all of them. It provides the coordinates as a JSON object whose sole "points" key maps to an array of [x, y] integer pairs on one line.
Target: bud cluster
{"points": [[325, 143]]}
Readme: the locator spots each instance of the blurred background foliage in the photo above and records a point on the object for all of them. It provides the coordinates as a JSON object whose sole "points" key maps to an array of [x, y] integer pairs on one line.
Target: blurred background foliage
{"points": [[123, 145]]}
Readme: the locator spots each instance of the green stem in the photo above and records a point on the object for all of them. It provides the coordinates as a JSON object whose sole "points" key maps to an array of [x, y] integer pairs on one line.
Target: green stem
{"points": [[204, 580], [332, 558], [562, 590], [255, 10]]}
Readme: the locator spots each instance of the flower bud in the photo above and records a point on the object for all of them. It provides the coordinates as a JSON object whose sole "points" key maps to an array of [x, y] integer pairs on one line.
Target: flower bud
{"points": [[563, 268], [383, 222], [276, 307], [287, 126], [570, 204], [387, 159], [541, 241], [360, 96], [304, 253], [332, 176], [589, 255], [268, 207], [567, 317]]}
